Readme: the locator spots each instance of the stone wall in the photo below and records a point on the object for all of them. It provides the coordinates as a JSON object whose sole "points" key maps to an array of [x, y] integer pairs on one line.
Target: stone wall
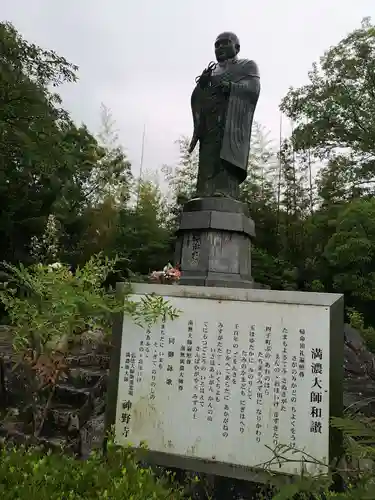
{"points": [[75, 418]]}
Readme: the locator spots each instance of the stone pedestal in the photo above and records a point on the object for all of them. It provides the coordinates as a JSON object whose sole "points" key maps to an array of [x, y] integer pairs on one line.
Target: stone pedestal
{"points": [[214, 243]]}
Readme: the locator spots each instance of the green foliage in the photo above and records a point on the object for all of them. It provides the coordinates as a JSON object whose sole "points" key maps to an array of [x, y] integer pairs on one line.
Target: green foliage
{"points": [[111, 177], [183, 176], [351, 476], [45, 160], [35, 475], [350, 251], [46, 248], [261, 183], [328, 225], [334, 112], [275, 272], [56, 306], [143, 235], [151, 308]]}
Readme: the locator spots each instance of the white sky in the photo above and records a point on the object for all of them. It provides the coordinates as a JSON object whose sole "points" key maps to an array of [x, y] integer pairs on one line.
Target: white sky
{"points": [[140, 57]]}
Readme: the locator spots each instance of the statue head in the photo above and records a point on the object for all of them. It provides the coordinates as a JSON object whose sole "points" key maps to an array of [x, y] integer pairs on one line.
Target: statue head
{"points": [[227, 46]]}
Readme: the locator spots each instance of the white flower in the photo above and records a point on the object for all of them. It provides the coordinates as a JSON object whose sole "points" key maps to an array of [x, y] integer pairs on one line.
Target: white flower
{"points": [[54, 266]]}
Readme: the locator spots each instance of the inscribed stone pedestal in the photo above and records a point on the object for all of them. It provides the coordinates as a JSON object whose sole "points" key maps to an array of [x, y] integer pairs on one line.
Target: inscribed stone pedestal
{"points": [[214, 243]]}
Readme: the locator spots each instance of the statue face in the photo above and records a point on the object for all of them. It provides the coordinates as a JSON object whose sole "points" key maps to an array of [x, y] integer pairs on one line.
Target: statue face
{"points": [[225, 48]]}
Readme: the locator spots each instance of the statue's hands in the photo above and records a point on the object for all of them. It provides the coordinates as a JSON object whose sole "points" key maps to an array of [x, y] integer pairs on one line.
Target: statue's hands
{"points": [[193, 143], [207, 72], [225, 86], [205, 77]]}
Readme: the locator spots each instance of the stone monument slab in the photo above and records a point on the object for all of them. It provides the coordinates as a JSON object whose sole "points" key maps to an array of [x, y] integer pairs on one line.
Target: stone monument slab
{"points": [[237, 374]]}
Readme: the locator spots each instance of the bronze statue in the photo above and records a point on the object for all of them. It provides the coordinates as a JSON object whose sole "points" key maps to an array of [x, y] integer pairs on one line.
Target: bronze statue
{"points": [[223, 104]]}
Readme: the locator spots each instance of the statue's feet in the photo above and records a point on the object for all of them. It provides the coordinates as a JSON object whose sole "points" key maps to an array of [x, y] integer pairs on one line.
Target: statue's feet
{"points": [[221, 194], [215, 194]]}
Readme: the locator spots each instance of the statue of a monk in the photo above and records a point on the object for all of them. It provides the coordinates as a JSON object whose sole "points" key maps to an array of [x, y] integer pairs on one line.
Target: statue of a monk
{"points": [[223, 104]]}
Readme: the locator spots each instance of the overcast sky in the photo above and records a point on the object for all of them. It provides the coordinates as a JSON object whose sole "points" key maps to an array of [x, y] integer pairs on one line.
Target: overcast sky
{"points": [[140, 57]]}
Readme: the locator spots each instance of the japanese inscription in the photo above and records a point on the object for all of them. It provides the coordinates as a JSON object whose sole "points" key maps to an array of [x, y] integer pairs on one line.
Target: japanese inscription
{"points": [[131, 374], [170, 368], [154, 371], [233, 378], [196, 380], [267, 360], [251, 362], [140, 362], [243, 391], [161, 344], [126, 407], [211, 385], [127, 367], [204, 363], [316, 395], [284, 371], [195, 249], [276, 399], [293, 402], [148, 342], [302, 346], [189, 348], [219, 357], [259, 398]]}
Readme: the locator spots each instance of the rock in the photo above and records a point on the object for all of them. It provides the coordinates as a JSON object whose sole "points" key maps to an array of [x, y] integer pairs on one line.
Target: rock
{"points": [[75, 416], [5, 344], [92, 435], [359, 374], [353, 338]]}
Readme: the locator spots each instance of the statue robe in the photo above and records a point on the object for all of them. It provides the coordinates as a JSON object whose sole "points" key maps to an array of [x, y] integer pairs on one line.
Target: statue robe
{"points": [[222, 124]]}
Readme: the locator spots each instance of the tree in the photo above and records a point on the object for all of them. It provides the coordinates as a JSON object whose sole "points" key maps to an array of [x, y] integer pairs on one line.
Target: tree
{"points": [[259, 191], [105, 191], [350, 251], [111, 176], [143, 238], [294, 207], [263, 166], [335, 112], [45, 160], [334, 121], [183, 177]]}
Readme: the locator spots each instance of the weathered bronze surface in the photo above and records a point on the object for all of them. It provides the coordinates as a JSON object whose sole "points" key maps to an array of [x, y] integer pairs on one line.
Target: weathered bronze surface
{"points": [[223, 104]]}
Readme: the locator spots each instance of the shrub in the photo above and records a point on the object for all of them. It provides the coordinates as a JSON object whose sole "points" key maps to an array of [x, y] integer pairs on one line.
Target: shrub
{"points": [[30, 473], [50, 308], [352, 476]]}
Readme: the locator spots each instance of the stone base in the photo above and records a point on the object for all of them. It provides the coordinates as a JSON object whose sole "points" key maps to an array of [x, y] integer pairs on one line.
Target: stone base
{"points": [[216, 279], [214, 243]]}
